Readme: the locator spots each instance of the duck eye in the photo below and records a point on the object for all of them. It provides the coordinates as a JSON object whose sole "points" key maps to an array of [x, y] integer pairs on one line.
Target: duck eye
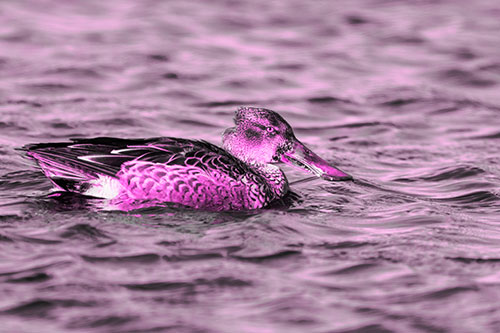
{"points": [[270, 129]]}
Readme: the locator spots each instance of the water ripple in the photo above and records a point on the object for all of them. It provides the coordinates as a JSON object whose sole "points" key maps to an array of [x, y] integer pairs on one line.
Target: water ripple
{"points": [[42, 307], [132, 259]]}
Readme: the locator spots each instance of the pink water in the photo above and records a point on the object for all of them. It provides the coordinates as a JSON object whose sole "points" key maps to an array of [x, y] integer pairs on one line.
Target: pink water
{"points": [[404, 96]]}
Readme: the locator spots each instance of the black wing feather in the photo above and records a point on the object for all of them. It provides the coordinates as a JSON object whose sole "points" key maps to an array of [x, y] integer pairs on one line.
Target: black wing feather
{"points": [[105, 155]]}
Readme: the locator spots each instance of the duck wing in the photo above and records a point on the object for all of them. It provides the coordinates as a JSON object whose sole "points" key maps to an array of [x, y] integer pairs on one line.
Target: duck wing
{"points": [[84, 159]]}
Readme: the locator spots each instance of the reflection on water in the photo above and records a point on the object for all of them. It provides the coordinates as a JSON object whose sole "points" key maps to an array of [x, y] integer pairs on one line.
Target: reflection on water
{"points": [[402, 95]]}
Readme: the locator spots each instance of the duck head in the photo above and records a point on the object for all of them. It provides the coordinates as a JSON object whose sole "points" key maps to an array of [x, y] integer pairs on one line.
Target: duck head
{"points": [[262, 136]]}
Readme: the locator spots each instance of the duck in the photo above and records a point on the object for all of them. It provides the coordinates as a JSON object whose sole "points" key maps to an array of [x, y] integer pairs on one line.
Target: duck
{"points": [[242, 175]]}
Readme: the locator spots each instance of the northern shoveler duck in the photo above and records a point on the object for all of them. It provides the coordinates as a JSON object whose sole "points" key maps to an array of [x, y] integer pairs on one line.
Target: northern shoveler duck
{"points": [[193, 173]]}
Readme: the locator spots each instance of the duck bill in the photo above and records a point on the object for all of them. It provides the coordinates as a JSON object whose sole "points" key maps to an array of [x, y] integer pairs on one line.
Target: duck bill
{"points": [[306, 159]]}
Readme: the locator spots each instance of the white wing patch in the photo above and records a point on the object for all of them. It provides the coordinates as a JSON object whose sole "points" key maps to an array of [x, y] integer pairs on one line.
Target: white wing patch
{"points": [[104, 187]]}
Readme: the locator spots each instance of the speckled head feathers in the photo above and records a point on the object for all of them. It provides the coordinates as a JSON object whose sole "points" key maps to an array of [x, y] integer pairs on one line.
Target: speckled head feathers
{"points": [[259, 136]]}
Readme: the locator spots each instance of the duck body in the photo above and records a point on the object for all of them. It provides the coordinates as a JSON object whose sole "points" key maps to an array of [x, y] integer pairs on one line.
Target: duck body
{"points": [[192, 173], [240, 176]]}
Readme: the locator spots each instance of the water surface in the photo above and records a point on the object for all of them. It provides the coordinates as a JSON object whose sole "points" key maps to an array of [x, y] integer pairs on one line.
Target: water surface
{"points": [[402, 95]]}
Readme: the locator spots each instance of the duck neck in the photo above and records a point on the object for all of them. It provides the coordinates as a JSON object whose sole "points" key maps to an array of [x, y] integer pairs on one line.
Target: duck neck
{"points": [[273, 176]]}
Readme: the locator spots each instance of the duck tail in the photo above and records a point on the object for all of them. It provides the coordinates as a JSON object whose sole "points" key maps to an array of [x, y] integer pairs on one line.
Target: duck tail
{"points": [[63, 173]]}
